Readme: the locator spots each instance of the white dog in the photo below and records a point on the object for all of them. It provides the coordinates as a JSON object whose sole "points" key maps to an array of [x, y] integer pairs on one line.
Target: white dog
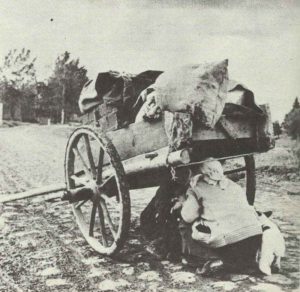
{"points": [[272, 248]]}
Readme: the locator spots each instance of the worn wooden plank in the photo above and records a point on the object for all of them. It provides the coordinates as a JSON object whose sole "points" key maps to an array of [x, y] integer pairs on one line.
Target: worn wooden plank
{"points": [[146, 137], [139, 138], [242, 129], [226, 126]]}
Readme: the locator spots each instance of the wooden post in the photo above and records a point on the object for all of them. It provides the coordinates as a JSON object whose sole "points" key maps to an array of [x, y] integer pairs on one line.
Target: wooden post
{"points": [[63, 100], [1, 113], [62, 116], [250, 179]]}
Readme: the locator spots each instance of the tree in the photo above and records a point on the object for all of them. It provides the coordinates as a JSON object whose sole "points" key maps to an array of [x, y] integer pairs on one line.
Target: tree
{"points": [[18, 69], [296, 103], [17, 82], [276, 129], [292, 121], [60, 95]]}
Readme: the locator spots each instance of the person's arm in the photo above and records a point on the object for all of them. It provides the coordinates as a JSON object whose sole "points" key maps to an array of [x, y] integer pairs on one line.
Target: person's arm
{"points": [[191, 208], [178, 202]]}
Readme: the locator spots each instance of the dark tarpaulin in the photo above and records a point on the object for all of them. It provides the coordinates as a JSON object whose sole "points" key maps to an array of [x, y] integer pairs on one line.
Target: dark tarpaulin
{"points": [[241, 101], [121, 90], [246, 96], [116, 89]]}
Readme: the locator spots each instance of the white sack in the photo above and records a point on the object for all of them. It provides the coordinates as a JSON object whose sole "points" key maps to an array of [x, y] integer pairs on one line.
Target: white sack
{"points": [[200, 89]]}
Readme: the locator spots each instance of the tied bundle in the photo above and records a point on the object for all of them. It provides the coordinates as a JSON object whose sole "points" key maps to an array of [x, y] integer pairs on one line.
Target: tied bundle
{"points": [[199, 89]]}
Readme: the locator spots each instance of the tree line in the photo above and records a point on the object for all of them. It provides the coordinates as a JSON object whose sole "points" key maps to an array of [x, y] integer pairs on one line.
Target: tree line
{"points": [[291, 122], [26, 98], [56, 98]]}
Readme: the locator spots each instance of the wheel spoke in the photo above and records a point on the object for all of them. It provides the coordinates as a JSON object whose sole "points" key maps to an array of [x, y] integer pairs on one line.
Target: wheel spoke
{"points": [[92, 223], [100, 165], [240, 169], [111, 202], [106, 199], [79, 155], [79, 181], [110, 188], [90, 155], [102, 225], [108, 219], [106, 181], [81, 204]]}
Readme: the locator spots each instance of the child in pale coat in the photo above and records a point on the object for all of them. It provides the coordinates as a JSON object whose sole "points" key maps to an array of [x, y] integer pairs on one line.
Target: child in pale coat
{"points": [[222, 219]]}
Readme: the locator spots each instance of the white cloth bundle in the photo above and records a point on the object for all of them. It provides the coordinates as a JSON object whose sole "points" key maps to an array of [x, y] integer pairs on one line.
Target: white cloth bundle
{"points": [[199, 89]]}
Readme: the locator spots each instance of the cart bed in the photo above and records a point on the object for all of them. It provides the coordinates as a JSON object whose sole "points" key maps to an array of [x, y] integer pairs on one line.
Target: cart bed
{"points": [[234, 136]]}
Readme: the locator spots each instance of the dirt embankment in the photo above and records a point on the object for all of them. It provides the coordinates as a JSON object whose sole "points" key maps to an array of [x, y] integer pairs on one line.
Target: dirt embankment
{"points": [[41, 248]]}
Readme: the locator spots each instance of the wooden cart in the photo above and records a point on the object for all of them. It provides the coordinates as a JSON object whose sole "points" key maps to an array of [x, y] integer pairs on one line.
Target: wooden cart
{"points": [[103, 162]]}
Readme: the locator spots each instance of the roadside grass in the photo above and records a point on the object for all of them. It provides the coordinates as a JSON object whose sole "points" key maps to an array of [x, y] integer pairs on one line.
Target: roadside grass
{"points": [[283, 159]]}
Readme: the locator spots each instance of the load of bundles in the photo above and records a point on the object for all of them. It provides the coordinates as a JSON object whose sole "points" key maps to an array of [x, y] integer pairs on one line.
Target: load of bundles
{"points": [[116, 90], [196, 89], [202, 91]]}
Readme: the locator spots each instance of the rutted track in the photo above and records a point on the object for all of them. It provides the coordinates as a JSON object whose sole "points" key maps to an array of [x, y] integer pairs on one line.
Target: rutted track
{"points": [[39, 235], [41, 248]]}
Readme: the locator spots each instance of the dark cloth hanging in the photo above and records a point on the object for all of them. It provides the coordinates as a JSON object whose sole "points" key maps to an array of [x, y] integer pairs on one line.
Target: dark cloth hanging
{"points": [[116, 89], [159, 224]]}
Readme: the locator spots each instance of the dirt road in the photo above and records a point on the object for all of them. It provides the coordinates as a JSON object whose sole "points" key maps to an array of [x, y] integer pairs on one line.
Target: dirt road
{"points": [[41, 248]]}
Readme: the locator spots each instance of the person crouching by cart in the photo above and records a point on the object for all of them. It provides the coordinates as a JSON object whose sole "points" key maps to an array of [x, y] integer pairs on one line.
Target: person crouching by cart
{"points": [[216, 215]]}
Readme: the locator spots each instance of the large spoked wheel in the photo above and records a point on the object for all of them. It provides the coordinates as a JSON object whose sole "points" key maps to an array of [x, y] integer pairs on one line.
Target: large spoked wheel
{"points": [[94, 170]]}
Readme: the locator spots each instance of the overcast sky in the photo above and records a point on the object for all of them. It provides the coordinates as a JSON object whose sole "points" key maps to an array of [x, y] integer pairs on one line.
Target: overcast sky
{"points": [[260, 38]]}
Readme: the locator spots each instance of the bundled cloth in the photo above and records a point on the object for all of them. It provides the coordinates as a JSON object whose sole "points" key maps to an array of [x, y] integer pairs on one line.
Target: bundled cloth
{"points": [[116, 89], [196, 89]]}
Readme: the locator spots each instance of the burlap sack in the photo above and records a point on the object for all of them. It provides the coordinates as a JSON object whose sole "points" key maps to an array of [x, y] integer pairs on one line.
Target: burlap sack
{"points": [[198, 89]]}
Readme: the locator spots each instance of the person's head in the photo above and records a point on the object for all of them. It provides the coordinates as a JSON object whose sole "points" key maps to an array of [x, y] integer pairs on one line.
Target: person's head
{"points": [[212, 169]]}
